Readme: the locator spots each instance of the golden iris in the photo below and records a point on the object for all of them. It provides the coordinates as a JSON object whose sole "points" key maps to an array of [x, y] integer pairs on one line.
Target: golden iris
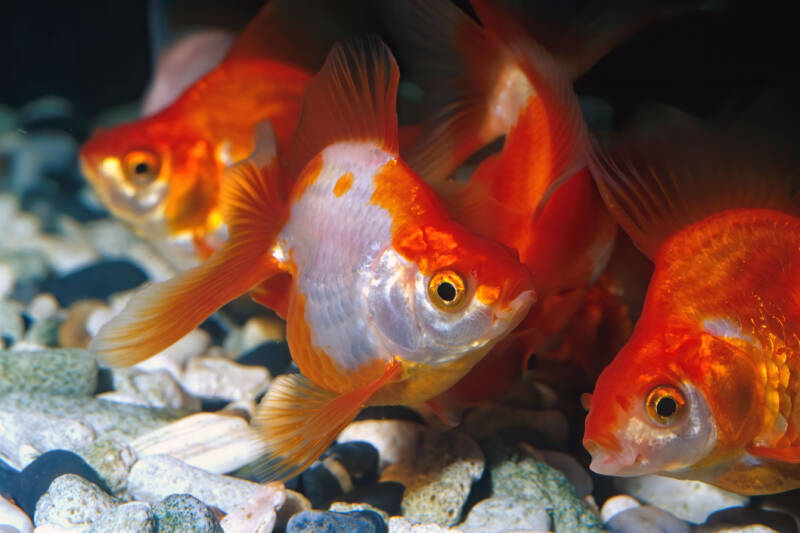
{"points": [[665, 404], [447, 290], [141, 167]]}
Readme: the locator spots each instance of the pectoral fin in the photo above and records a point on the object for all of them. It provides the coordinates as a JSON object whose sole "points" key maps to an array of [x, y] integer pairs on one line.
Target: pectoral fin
{"points": [[299, 420], [788, 455]]}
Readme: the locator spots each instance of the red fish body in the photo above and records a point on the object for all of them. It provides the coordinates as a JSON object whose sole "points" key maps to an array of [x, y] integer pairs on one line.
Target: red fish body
{"points": [[536, 195], [707, 387], [387, 299]]}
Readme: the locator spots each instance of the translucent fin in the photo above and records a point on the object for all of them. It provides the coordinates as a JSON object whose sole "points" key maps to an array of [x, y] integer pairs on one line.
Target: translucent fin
{"points": [[299, 420], [670, 171], [353, 98], [787, 455], [457, 65], [161, 313]]}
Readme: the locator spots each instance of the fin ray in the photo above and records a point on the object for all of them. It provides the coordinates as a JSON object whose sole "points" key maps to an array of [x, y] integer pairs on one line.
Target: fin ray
{"points": [[788, 455]]}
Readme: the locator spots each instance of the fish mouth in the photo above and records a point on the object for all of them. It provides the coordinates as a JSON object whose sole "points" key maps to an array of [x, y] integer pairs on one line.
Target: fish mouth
{"points": [[623, 461]]}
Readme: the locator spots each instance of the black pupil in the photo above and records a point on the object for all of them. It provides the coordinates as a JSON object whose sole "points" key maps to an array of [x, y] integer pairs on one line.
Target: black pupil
{"points": [[141, 168], [666, 407], [446, 291]]}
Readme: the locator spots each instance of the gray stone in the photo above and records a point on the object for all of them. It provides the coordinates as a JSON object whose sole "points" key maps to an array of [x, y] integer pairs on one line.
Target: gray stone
{"points": [[155, 477], [443, 477], [647, 519], [496, 515], [259, 513], [183, 513], [155, 389], [535, 481], [56, 371], [48, 422], [44, 332], [26, 264], [11, 328], [692, 501], [71, 501], [133, 517], [567, 465], [112, 460], [217, 377]]}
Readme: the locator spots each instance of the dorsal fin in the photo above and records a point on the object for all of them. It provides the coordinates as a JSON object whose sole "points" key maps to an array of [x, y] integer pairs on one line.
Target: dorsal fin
{"points": [[657, 180], [352, 98]]}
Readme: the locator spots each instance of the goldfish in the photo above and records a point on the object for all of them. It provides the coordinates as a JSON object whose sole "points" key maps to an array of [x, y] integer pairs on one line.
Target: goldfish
{"points": [[387, 299], [161, 174], [707, 386], [535, 196]]}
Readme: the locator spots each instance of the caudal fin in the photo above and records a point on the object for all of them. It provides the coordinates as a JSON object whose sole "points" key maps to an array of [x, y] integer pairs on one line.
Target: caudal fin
{"points": [[254, 207]]}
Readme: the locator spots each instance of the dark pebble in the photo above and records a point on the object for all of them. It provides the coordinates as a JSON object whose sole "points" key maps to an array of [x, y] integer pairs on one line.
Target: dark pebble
{"points": [[385, 496], [213, 404], [35, 479], [360, 459], [745, 516], [8, 479], [390, 412], [320, 486], [273, 355], [26, 290], [51, 113], [99, 280], [105, 380], [217, 327], [331, 522]]}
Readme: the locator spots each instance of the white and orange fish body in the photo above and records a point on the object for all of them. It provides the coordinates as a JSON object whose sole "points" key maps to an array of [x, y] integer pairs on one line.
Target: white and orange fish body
{"points": [[387, 299]]}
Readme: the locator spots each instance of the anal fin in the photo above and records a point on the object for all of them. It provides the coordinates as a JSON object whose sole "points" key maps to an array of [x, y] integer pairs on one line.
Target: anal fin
{"points": [[299, 420], [787, 455]]}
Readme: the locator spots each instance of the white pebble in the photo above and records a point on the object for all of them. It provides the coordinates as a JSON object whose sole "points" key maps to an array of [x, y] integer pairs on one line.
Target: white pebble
{"points": [[647, 519], [187, 347], [397, 441], [617, 504], [43, 306], [217, 377], [259, 513], [7, 280], [14, 517]]}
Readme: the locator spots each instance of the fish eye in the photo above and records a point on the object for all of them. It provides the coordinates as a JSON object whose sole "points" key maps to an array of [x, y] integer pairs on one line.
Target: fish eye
{"points": [[665, 404], [141, 166], [447, 290]]}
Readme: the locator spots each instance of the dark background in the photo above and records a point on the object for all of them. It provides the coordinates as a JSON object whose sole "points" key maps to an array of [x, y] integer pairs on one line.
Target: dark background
{"points": [[97, 53]]}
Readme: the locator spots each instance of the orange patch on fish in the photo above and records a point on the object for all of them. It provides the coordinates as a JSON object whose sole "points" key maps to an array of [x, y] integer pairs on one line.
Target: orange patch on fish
{"points": [[343, 184]]}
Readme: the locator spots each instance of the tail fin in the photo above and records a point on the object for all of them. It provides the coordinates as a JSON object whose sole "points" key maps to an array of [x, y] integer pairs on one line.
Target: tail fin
{"points": [[671, 170], [254, 207], [353, 98]]}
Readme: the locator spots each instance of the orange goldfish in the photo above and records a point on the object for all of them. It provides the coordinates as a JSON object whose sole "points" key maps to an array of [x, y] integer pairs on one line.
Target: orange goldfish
{"points": [[387, 299], [536, 195], [707, 386], [161, 174]]}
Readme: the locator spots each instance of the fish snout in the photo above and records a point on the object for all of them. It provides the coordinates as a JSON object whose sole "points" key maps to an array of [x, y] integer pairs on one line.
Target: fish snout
{"points": [[609, 457]]}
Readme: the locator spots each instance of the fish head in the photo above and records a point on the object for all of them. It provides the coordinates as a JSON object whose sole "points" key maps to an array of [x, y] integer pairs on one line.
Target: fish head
{"points": [[660, 406], [162, 181], [440, 294]]}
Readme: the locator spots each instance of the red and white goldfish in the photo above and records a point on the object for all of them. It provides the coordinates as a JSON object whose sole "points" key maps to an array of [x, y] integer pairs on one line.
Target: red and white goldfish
{"points": [[536, 195], [161, 174], [707, 386], [387, 299]]}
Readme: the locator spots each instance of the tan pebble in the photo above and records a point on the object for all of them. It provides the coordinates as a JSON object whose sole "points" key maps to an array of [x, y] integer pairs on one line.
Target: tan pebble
{"points": [[261, 329], [259, 513], [72, 333]]}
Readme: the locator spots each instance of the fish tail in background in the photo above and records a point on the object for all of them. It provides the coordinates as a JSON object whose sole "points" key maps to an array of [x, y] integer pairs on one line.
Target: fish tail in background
{"points": [[300, 420], [254, 207], [457, 65]]}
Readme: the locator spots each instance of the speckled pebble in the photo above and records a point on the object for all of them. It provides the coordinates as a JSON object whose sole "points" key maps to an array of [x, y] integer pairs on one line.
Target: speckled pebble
{"points": [[397, 441], [496, 515], [446, 469], [647, 519], [259, 513], [398, 524], [183, 513], [44, 332], [12, 326], [53, 371], [13, 516], [330, 522], [216, 377], [36, 479], [72, 501], [112, 460], [567, 465], [535, 481], [692, 501], [617, 504], [132, 517], [155, 477]]}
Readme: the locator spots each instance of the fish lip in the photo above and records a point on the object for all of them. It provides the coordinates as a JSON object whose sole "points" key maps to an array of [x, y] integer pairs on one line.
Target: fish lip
{"points": [[621, 462]]}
